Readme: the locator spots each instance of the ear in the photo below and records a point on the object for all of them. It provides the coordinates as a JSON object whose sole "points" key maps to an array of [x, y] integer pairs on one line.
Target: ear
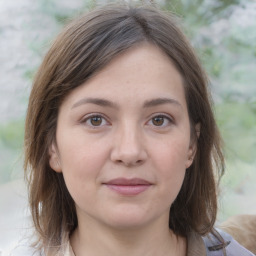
{"points": [[193, 146], [54, 160]]}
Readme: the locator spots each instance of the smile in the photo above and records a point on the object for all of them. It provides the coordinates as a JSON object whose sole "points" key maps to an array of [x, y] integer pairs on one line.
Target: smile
{"points": [[128, 187]]}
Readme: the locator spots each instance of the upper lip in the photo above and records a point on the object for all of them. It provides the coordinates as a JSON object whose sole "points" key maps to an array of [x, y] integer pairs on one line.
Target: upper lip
{"points": [[127, 182]]}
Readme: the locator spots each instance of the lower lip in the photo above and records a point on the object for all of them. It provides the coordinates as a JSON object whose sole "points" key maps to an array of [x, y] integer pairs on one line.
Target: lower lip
{"points": [[128, 190]]}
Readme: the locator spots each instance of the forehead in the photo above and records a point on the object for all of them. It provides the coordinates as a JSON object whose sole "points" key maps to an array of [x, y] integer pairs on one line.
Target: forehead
{"points": [[141, 72]]}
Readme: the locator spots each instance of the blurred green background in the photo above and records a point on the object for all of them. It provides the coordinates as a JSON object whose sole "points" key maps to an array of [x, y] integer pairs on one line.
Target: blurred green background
{"points": [[223, 33]]}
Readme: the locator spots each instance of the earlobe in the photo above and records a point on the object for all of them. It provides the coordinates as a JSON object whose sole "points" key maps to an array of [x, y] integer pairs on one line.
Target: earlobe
{"points": [[190, 159], [198, 130], [193, 146], [54, 160], [191, 154]]}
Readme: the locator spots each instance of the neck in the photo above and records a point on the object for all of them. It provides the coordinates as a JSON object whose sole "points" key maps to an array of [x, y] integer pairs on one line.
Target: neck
{"points": [[97, 239]]}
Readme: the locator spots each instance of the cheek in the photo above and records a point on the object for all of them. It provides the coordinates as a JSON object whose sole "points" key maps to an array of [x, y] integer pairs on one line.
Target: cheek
{"points": [[81, 165], [80, 153], [171, 165], [172, 154], [81, 175]]}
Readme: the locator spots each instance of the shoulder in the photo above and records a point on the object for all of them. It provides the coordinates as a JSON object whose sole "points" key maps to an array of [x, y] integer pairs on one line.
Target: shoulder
{"points": [[214, 246]]}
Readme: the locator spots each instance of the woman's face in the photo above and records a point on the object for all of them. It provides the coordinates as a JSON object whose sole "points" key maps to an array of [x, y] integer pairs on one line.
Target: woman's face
{"points": [[123, 141]]}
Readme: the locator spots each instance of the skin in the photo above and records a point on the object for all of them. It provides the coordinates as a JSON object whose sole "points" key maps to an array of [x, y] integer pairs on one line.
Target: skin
{"points": [[140, 130]]}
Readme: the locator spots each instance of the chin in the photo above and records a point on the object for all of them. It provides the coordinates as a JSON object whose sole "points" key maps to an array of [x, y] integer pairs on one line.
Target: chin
{"points": [[128, 219]]}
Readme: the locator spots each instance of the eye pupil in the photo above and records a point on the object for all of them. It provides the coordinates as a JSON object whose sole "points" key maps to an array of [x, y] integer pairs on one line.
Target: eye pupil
{"points": [[96, 120], [158, 121]]}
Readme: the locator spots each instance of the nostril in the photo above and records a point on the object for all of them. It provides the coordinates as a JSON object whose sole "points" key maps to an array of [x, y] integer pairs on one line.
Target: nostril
{"points": [[128, 162], [128, 150]]}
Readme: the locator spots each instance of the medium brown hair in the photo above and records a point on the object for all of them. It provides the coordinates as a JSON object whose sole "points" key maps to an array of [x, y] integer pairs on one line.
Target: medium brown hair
{"points": [[83, 48]]}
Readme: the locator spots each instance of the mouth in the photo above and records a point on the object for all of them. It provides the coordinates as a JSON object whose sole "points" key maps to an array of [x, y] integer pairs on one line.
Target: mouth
{"points": [[128, 187]]}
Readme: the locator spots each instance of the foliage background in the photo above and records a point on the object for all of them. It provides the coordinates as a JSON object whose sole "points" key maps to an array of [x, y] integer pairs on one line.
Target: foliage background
{"points": [[223, 33]]}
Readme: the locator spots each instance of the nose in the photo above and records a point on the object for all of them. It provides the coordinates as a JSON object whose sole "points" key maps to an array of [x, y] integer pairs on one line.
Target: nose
{"points": [[129, 148]]}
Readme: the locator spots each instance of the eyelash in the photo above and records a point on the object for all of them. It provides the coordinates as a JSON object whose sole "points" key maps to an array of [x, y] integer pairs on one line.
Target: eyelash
{"points": [[89, 118], [164, 117]]}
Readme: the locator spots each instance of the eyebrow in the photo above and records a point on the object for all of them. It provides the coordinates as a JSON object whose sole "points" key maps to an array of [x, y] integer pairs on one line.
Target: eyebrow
{"points": [[107, 103], [160, 101], [96, 101]]}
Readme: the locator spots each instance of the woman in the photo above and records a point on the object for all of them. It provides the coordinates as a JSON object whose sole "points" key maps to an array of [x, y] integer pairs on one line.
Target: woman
{"points": [[122, 149]]}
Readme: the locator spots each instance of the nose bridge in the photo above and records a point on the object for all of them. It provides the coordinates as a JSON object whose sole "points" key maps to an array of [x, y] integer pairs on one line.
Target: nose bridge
{"points": [[129, 137], [129, 147]]}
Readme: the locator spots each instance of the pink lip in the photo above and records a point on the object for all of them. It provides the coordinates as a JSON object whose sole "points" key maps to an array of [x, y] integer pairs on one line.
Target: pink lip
{"points": [[128, 187]]}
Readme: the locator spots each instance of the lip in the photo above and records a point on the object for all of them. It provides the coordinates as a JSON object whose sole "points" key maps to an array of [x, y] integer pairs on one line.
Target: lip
{"points": [[128, 187]]}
